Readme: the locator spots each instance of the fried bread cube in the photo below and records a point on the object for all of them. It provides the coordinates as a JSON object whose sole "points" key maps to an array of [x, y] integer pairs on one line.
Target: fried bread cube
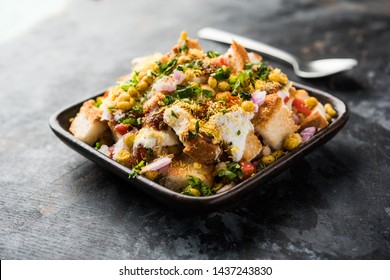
{"points": [[317, 118], [237, 56], [202, 151], [274, 122], [181, 167], [253, 147], [87, 125]]}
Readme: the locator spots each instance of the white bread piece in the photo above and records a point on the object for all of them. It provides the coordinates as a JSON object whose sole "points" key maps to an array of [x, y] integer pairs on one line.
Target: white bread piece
{"points": [[87, 125], [179, 119], [181, 167], [253, 147], [274, 121], [145, 63], [237, 56], [317, 118], [200, 150]]}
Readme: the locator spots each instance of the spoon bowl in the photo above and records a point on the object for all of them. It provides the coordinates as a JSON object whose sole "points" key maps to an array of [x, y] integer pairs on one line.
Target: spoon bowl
{"points": [[305, 69]]}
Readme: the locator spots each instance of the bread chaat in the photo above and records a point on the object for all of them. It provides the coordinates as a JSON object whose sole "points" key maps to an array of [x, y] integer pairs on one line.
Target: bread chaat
{"points": [[198, 122]]}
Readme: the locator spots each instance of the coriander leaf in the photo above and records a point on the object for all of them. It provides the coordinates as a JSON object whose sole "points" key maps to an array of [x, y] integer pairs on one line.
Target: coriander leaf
{"points": [[221, 74], [167, 67], [132, 82], [183, 46], [136, 170], [98, 145], [138, 109], [98, 103], [259, 70], [174, 114], [195, 64], [231, 171], [196, 183], [213, 54], [207, 93], [227, 173], [245, 95]]}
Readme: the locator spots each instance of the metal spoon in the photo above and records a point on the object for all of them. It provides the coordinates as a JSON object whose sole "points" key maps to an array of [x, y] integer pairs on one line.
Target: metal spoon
{"points": [[304, 69]]}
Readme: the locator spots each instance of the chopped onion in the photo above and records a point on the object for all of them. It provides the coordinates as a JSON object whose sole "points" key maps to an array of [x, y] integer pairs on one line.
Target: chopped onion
{"points": [[283, 94], [119, 145], [296, 119], [157, 164], [104, 150], [225, 188], [106, 115], [165, 84], [266, 151], [178, 77], [258, 97], [118, 116], [307, 133]]}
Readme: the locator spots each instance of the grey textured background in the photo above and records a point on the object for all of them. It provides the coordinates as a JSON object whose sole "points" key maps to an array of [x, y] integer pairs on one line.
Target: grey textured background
{"points": [[55, 204]]}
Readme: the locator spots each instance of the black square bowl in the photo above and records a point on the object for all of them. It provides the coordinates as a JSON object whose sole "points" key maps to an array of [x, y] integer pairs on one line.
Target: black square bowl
{"points": [[59, 123]]}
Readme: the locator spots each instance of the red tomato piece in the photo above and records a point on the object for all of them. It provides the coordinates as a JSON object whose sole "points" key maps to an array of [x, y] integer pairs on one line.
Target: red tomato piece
{"points": [[300, 105], [121, 128], [219, 61], [247, 169]]}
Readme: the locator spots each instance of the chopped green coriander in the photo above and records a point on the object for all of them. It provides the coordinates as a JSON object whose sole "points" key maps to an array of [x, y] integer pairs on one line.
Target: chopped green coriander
{"points": [[167, 67], [138, 109], [98, 145], [231, 171], [195, 64], [129, 121], [213, 54], [259, 70], [242, 81], [207, 93], [183, 46], [197, 127], [132, 82], [136, 170], [221, 74], [98, 103], [197, 184], [174, 114], [245, 95], [238, 132]]}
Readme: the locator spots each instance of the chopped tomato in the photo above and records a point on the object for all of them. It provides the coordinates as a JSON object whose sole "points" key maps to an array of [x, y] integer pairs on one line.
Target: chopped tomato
{"points": [[121, 128], [300, 105], [286, 99], [232, 100], [247, 169], [111, 152], [219, 61], [106, 93]]}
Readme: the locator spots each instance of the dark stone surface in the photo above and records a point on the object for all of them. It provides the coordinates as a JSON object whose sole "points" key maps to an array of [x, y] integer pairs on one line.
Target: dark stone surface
{"points": [[334, 204]]}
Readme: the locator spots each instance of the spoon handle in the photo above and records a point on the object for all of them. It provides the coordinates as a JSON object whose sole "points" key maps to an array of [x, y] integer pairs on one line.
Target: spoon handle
{"points": [[226, 37]]}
